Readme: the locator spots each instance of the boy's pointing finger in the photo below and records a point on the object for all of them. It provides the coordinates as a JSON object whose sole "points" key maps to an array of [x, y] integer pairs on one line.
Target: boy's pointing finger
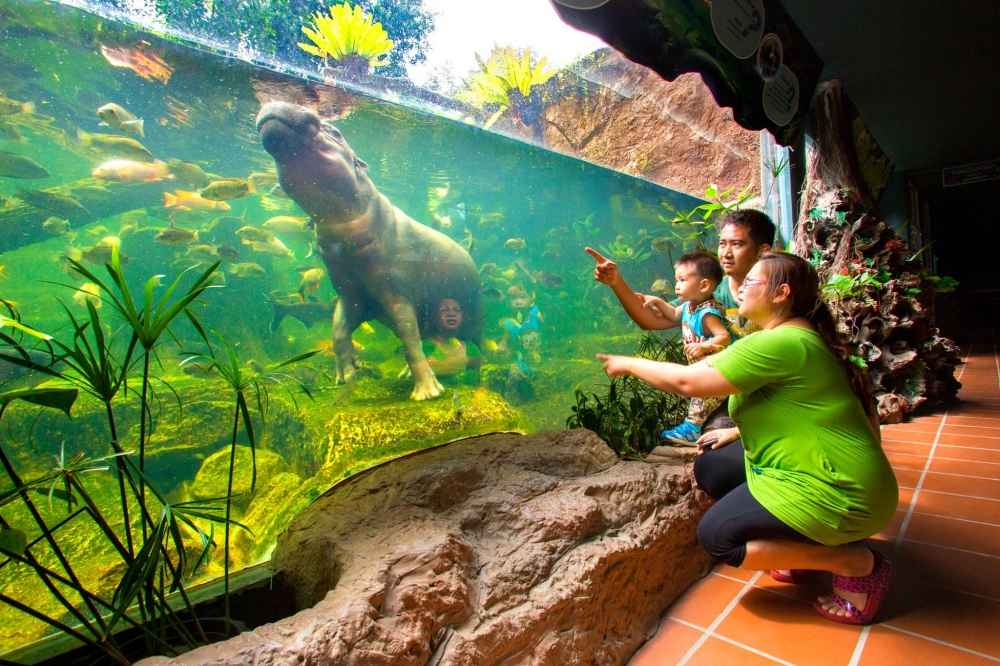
{"points": [[595, 254]]}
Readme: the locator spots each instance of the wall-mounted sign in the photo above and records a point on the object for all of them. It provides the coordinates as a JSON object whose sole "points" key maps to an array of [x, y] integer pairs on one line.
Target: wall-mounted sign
{"points": [[970, 173], [750, 53]]}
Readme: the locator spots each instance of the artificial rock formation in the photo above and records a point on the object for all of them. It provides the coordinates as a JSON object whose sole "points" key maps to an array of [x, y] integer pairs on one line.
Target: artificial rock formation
{"points": [[498, 549], [883, 299]]}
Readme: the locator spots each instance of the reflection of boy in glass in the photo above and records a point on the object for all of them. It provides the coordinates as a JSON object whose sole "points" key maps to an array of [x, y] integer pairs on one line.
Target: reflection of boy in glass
{"points": [[446, 354]]}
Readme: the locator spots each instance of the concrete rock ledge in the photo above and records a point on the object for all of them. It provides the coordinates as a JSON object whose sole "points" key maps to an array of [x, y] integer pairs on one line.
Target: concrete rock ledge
{"points": [[500, 549]]}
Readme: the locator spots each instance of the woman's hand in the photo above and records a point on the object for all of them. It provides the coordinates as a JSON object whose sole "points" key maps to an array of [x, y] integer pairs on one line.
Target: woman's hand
{"points": [[713, 439], [616, 366]]}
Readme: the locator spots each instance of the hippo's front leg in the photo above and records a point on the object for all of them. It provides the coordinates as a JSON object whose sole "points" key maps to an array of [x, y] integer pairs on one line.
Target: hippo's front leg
{"points": [[404, 319], [343, 346]]}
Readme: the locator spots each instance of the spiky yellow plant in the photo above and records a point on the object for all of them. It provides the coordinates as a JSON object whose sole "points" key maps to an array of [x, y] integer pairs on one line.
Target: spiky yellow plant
{"points": [[346, 35], [506, 71]]}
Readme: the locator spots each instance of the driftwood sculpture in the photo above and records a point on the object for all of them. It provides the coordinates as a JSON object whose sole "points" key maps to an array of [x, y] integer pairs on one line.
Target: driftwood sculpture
{"points": [[883, 298]]}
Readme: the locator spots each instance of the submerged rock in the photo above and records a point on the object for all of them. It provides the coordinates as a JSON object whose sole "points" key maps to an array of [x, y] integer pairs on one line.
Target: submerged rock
{"points": [[496, 549]]}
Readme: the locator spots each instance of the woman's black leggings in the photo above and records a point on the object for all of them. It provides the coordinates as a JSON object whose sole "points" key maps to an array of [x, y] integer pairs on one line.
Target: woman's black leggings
{"points": [[736, 517]]}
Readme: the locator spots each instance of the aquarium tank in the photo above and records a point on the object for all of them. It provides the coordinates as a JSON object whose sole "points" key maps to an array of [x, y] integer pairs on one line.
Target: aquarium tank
{"points": [[227, 284]]}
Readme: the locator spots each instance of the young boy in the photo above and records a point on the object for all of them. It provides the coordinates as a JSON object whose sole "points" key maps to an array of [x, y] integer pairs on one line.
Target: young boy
{"points": [[698, 274]]}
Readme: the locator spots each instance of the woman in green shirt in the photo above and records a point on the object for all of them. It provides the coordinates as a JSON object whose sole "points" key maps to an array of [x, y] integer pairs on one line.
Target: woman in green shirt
{"points": [[810, 480]]}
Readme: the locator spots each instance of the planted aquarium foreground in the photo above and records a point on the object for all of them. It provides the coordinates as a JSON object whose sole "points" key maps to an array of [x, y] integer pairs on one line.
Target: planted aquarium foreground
{"points": [[223, 289]]}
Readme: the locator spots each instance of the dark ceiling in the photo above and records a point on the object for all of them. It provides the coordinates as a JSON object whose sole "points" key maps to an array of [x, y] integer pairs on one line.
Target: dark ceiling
{"points": [[924, 74]]}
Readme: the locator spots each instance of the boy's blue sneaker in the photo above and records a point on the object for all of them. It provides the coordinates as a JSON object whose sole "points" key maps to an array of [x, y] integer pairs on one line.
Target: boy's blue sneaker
{"points": [[686, 433]]}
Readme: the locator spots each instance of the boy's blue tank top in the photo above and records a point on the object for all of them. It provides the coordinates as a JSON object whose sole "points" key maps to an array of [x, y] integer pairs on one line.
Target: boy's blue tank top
{"points": [[692, 323]]}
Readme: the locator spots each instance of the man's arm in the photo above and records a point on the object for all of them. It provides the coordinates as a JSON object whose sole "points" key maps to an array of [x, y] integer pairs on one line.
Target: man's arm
{"points": [[606, 272]]}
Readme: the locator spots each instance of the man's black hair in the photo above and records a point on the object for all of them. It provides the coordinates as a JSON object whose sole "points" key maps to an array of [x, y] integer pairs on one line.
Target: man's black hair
{"points": [[706, 265], [759, 226]]}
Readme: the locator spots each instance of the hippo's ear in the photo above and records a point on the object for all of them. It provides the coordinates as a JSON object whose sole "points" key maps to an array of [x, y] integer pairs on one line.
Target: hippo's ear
{"points": [[360, 163]]}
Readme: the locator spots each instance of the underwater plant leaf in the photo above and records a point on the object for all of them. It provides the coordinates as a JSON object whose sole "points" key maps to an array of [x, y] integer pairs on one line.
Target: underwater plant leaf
{"points": [[55, 398], [13, 323], [248, 425], [294, 359], [13, 541]]}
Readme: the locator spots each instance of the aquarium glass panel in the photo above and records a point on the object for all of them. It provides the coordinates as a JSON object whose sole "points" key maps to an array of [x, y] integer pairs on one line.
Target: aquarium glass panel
{"points": [[239, 269]]}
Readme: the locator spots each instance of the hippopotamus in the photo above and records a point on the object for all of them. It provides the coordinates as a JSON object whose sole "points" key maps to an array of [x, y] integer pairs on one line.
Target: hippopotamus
{"points": [[384, 265]]}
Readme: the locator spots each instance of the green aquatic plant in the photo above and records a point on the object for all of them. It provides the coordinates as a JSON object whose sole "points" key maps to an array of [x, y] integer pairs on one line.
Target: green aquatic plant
{"points": [[349, 37], [149, 572], [700, 220], [243, 380], [504, 82], [585, 227], [630, 415]]}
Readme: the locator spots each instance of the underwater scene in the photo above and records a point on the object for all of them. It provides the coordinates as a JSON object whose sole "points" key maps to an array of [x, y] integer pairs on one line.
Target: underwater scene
{"points": [[225, 289]]}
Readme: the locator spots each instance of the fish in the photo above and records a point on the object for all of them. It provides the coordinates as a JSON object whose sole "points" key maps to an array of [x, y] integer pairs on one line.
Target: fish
{"points": [[515, 244], [10, 107], [201, 251], [310, 313], [311, 278], [246, 269], [490, 345], [176, 236], [99, 230], [366, 328], [129, 171], [55, 226], [228, 189], [126, 230], [492, 293], [661, 286], [113, 241], [13, 165], [116, 117], [227, 251], [10, 131], [277, 191], [114, 145], [254, 235], [88, 291], [549, 280], [199, 370], [456, 404], [262, 180], [182, 200], [490, 221], [443, 221], [192, 174], [662, 244], [98, 254], [285, 224], [487, 269], [65, 207], [275, 248], [91, 192], [468, 242]]}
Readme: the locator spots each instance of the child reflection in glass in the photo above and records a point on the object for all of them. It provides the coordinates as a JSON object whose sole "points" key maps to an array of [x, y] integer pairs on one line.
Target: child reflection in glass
{"points": [[447, 355]]}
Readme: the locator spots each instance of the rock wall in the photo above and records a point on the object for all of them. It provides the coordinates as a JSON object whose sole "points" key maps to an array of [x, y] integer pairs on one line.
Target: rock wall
{"points": [[499, 549], [618, 114]]}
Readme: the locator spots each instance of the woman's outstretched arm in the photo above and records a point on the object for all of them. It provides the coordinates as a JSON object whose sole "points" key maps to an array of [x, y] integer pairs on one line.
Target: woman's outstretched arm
{"points": [[693, 381]]}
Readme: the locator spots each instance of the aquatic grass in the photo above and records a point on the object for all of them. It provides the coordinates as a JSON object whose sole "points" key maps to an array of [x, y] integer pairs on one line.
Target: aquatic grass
{"points": [[242, 379], [631, 415], [148, 323]]}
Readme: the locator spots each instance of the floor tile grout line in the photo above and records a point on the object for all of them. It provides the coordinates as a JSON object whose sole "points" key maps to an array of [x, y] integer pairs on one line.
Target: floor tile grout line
{"points": [[951, 589], [718, 620], [921, 455], [960, 550], [730, 641], [941, 492], [963, 476], [939, 642], [963, 520], [859, 647]]}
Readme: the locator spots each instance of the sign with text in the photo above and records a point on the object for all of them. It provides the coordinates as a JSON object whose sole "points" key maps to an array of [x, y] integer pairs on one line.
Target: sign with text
{"points": [[970, 173]]}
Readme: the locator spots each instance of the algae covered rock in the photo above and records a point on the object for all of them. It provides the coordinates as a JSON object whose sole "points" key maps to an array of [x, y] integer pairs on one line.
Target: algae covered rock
{"points": [[212, 479], [272, 504]]}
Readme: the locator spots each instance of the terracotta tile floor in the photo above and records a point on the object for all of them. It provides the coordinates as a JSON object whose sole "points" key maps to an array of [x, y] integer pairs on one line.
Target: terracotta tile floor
{"points": [[944, 606]]}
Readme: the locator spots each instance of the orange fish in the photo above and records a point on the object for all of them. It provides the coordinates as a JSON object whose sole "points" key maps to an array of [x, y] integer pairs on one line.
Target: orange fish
{"points": [[182, 200], [325, 347], [127, 171]]}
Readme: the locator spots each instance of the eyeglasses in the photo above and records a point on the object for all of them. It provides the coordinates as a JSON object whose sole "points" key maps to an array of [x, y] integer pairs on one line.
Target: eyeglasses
{"points": [[450, 311], [751, 282]]}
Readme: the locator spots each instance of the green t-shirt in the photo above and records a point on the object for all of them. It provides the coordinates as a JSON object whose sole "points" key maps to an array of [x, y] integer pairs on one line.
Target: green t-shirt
{"points": [[739, 326], [812, 459]]}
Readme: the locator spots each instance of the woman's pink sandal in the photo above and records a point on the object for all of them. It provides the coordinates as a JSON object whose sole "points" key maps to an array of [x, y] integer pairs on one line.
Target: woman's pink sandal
{"points": [[796, 576], [875, 584]]}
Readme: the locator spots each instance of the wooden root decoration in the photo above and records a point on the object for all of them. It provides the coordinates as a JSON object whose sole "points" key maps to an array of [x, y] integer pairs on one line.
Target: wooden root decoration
{"points": [[883, 300]]}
